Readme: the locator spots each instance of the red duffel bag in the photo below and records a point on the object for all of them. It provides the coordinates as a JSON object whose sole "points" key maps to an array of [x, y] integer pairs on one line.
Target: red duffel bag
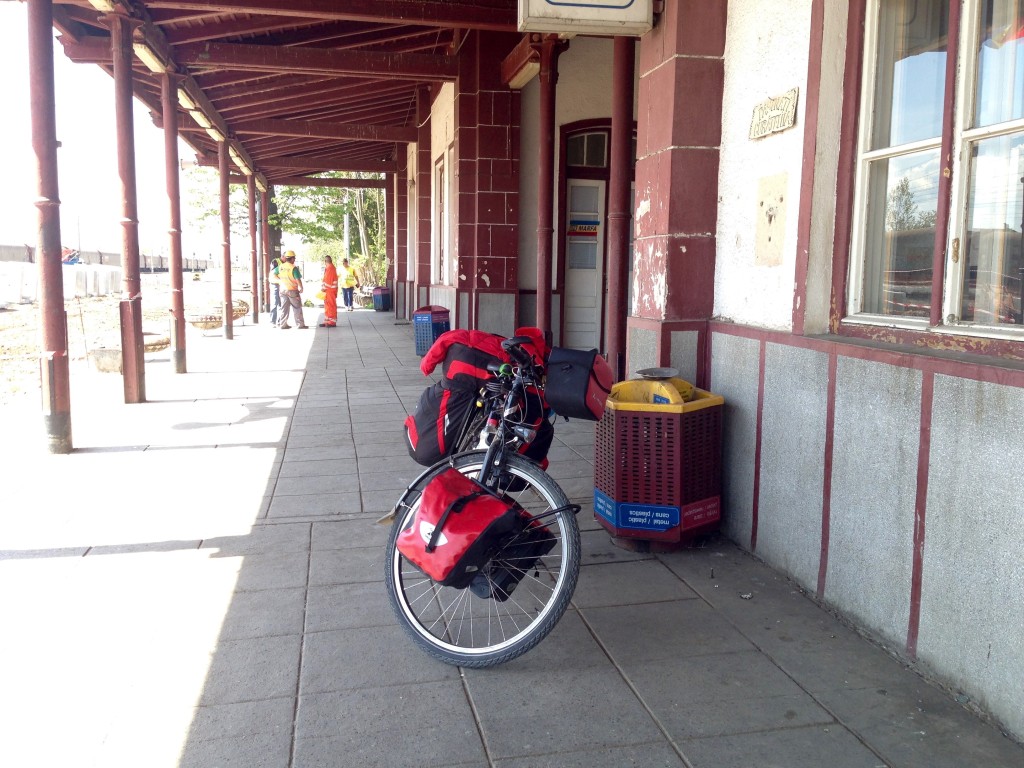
{"points": [[578, 383], [457, 528]]}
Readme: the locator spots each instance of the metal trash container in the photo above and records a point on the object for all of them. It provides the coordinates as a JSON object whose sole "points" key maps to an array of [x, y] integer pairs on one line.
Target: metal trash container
{"points": [[658, 461], [382, 299], [429, 323]]}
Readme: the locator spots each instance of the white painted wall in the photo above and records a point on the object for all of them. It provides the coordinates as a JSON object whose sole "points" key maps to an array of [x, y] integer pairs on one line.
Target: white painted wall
{"points": [[442, 136], [766, 55]]}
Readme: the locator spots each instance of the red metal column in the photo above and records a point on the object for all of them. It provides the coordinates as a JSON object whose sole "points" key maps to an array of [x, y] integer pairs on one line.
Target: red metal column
{"points": [[53, 355], [169, 106], [389, 235], [550, 48], [225, 227], [250, 183], [265, 241], [132, 349], [423, 200], [402, 286], [619, 208]]}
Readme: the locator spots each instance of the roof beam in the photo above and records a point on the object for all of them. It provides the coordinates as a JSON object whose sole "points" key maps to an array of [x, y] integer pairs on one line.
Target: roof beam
{"points": [[431, 13], [318, 130], [302, 181], [317, 61], [326, 164]]}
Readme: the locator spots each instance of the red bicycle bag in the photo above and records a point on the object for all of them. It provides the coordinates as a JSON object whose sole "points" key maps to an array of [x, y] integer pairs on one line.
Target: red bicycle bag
{"points": [[431, 430], [578, 383], [457, 528]]}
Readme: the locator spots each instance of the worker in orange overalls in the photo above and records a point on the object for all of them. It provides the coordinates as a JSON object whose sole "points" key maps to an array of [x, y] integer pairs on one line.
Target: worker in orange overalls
{"points": [[330, 289]]}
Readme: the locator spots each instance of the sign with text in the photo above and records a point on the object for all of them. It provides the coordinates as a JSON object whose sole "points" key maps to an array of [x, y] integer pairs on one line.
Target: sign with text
{"points": [[587, 17], [774, 115]]}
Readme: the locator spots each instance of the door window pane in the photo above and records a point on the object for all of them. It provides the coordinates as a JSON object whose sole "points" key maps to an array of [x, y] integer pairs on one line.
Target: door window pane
{"points": [[993, 241], [582, 254], [900, 235], [911, 65], [575, 150], [583, 199], [596, 150], [1000, 86]]}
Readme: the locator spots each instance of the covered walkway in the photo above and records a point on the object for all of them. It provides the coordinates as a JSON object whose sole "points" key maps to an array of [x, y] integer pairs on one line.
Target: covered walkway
{"points": [[204, 587]]}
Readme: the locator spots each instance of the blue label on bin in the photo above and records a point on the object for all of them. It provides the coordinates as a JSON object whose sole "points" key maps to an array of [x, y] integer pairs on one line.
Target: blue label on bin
{"points": [[648, 517], [661, 399]]}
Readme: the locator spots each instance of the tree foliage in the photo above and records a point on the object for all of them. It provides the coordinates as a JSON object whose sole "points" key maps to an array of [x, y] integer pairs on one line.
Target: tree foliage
{"points": [[318, 215], [901, 210]]}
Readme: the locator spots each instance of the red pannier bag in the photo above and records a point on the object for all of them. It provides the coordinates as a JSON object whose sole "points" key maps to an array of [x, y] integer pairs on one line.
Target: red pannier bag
{"points": [[464, 355], [578, 383], [458, 526], [432, 429]]}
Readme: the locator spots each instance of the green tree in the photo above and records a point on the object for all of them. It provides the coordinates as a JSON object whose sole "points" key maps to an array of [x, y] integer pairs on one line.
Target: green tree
{"points": [[318, 214]]}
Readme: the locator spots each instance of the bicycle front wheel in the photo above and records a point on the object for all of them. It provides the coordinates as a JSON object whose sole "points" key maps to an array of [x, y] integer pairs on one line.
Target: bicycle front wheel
{"points": [[482, 625]]}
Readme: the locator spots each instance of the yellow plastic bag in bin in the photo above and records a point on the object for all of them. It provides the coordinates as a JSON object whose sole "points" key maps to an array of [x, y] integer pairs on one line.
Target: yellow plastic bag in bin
{"points": [[658, 392]]}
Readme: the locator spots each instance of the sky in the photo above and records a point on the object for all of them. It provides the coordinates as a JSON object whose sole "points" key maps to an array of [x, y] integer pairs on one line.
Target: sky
{"points": [[87, 160]]}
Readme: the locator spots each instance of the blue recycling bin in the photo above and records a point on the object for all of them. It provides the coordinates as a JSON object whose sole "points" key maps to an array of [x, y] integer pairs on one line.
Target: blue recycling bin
{"points": [[429, 323], [382, 299]]}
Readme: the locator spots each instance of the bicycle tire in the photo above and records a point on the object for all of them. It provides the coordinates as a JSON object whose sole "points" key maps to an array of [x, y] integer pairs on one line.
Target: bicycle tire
{"points": [[458, 626]]}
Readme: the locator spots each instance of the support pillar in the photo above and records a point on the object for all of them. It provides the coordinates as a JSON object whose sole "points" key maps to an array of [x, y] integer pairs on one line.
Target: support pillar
{"points": [[678, 144], [54, 375], [225, 228], [389, 236], [169, 106], [423, 201], [265, 247], [550, 48], [250, 184], [619, 204], [132, 347], [402, 285]]}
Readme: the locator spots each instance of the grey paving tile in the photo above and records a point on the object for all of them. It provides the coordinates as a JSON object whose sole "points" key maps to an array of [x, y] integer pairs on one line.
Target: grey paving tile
{"points": [[223, 721], [344, 534], [347, 566], [394, 481], [327, 448], [366, 657], [919, 725], [660, 755], [283, 537], [273, 570], [264, 613], [597, 548], [317, 467], [628, 583], [426, 725], [252, 669], [649, 632], [721, 694], [809, 747], [348, 606], [262, 750], [569, 646], [321, 504], [524, 713], [317, 484]]}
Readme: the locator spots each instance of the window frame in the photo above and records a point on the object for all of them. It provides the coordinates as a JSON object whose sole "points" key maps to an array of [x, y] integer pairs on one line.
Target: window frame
{"points": [[956, 142]]}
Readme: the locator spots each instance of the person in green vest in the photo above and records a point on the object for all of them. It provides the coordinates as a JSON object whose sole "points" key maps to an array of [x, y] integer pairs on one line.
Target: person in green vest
{"points": [[291, 290]]}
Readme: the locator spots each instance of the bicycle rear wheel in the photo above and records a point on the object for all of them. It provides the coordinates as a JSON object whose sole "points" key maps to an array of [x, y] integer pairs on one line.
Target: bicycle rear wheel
{"points": [[483, 626]]}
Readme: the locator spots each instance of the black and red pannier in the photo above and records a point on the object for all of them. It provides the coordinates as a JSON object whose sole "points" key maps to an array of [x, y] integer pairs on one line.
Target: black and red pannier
{"points": [[578, 383], [465, 355], [433, 428], [458, 526]]}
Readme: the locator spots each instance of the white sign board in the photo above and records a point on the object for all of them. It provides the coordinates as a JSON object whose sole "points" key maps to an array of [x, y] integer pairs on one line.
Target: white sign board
{"points": [[590, 17]]}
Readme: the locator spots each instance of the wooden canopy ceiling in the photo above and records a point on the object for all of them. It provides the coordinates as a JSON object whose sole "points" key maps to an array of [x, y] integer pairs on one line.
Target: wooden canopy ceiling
{"points": [[298, 87]]}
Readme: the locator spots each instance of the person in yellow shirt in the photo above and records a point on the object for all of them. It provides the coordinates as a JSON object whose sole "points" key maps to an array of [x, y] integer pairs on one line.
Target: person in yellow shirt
{"points": [[349, 282], [291, 290]]}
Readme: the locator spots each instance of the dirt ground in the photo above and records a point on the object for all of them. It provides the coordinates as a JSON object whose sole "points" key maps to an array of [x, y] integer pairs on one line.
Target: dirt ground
{"points": [[92, 322]]}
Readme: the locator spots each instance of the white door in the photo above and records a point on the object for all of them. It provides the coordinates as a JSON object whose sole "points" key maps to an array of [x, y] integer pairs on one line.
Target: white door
{"points": [[584, 268]]}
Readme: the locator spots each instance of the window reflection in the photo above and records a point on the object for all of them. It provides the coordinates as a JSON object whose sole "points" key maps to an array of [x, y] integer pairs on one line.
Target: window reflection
{"points": [[1000, 94], [903, 194], [995, 233]]}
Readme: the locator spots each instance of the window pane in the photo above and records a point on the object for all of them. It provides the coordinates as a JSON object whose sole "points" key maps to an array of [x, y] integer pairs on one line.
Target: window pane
{"points": [[995, 219], [596, 150], [582, 254], [574, 150], [900, 237], [911, 64], [1000, 94], [583, 198]]}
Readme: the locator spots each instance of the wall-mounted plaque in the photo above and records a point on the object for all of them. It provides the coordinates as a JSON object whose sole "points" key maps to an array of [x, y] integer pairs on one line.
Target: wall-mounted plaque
{"points": [[775, 114]]}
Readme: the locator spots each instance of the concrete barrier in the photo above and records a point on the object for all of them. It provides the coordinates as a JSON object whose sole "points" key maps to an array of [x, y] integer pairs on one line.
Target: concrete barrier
{"points": [[19, 281]]}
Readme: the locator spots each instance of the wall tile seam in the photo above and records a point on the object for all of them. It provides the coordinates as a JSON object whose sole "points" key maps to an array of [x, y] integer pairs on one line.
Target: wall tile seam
{"points": [[675, 236], [708, 147]]}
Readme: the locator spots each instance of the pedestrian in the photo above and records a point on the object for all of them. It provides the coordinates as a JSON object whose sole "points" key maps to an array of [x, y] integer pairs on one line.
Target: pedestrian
{"points": [[349, 282], [291, 290], [275, 282], [330, 289]]}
